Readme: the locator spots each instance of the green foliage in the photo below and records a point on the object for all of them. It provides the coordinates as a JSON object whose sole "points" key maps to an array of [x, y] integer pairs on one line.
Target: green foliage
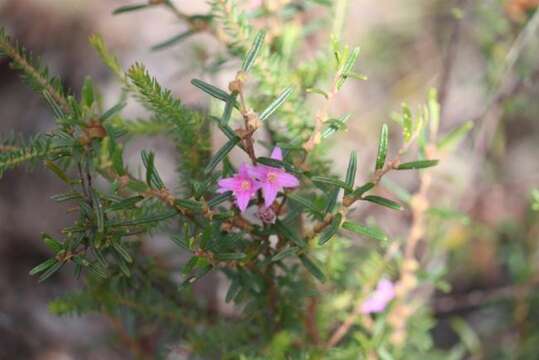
{"points": [[15, 152], [281, 263], [189, 129], [33, 72]]}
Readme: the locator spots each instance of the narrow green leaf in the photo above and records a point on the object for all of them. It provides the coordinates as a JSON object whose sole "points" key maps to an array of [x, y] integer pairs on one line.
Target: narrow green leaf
{"points": [[100, 258], [312, 268], [106, 56], [454, 137], [50, 271], [468, 336], [289, 234], [335, 125], [147, 219], [420, 164], [230, 256], [407, 123], [276, 104], [383, 201], [449, 214], [357, 76], [323, 2], [57, 171], [285, 253], [98, 209], [122, 251], [190, 265], [331, 181], [115, 110], [400, 192], [181, 241], [229, 107], [224, 215], [77, 271], [253, 51], [173, 40], [332, 200], [152, 176], [220, 199], [270, 162], [52, 243], [304, 202], [56, 109], [350, 61], [385, 354], [433, 110], [233, 291], [277, 164], [43, 266], [124, 269], [331, 230], [220, 155], [365, 231], [228, 131], [87, 92], [317, 91], [363, 189], [67, 196], [97, 269], [382, 147], [128, 203], [211, 90], [188, 204], [137, 185], [351, 171], [348, 66], [129, 8]]}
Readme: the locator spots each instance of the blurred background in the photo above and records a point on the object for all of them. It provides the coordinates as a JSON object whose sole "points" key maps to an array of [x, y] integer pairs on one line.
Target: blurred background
{"points": [[482, 55]]}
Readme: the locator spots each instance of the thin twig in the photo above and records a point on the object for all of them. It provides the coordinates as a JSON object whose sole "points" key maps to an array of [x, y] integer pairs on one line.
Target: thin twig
{"points": [[449, 61], [505, 84], [321, 117], [454, 303]]}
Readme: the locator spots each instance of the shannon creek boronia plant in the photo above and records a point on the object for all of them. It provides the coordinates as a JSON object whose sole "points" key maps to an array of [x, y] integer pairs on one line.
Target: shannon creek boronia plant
{"points": [[275, 270]]}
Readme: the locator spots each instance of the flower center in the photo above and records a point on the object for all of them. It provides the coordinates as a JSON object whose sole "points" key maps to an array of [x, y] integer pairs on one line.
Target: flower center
{"points": [[272, 177], [245, 185]]}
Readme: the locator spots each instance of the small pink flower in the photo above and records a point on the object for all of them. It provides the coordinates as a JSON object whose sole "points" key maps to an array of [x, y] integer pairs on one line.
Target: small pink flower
{"points": [[273, 179], [379, 298], [242, 185]]}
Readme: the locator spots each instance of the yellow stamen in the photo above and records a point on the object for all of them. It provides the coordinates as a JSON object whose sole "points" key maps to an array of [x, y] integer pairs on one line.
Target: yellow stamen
{"points": [[272, 177], [245, 185]]}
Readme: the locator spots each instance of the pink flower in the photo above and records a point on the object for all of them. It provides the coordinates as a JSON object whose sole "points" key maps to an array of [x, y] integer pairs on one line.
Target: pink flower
{"points": [[242, 185], [273, 179], [378, 300]]}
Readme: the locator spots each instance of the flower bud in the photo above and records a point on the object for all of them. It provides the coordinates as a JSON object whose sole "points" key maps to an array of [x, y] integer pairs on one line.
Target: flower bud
{"points": [[267, 215]]}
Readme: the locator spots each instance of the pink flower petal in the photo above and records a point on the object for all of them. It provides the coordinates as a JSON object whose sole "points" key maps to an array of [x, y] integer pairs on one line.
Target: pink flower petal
{"points": [[277, 154], [242, 200], [258, 172], [227, 184], [287, 180], [373, 305], [270, 193], [386, 288], [244, 171], [379, 298]]}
